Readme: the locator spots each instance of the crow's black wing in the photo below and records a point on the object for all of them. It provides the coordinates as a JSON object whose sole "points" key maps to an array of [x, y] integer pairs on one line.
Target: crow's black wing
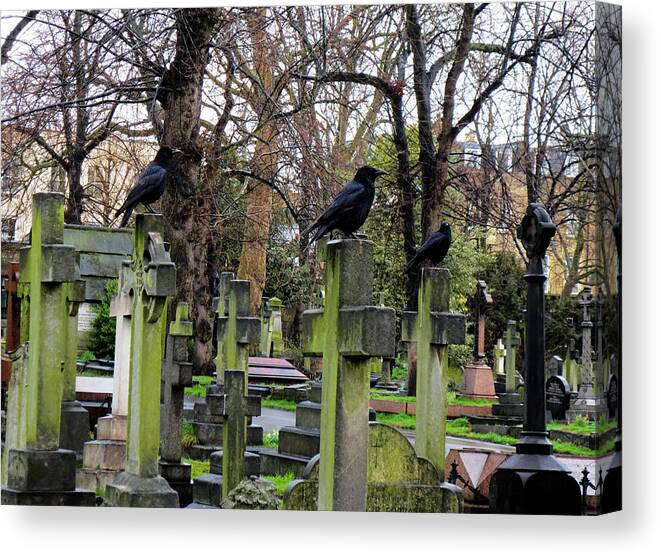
{"points": [[433, 243], [345, 200], [150, 180]]}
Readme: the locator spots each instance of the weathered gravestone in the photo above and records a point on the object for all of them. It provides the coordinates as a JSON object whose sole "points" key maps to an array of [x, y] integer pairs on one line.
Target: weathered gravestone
{"points": [[151, 280], [38, 471], [554, 366], [234, 406], [16, 417], [105, 457], [558, 397], [277, 345], [433, 328], [397, 480], [533, 481], [588, 403], [265, 334], [477, 381], [510, 403], [13, 325], [499, 354], [347, 332], [176, 374], [236, 331]]}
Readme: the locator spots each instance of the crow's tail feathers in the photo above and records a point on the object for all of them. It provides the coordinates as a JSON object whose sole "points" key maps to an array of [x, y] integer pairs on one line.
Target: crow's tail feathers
{"points": [[412, 264], [126, 217], [321, 230]]}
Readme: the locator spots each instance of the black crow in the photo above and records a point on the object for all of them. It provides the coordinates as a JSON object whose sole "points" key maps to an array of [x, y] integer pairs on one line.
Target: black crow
{"points": [[150, 186], [349, 208], [435, 247]]}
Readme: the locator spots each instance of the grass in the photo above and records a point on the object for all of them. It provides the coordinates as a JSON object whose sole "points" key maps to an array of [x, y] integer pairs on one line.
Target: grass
{"points": [[271, 439], [95, 374], [199, 387], [197, 467], [281, 481], [452, 399], [188, 436], [398, 420], [582, 425], [282, 404]]}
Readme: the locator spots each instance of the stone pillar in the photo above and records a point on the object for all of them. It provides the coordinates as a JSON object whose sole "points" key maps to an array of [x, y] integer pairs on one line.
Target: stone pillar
{"points": [[234, 406], [275, 327], [105, 457], [39, 473], [152, 281], [533, 481], [512, 342], [347, 333], [433, 328], [477, 381], [177, 373], [265, 336], [16, 418]]}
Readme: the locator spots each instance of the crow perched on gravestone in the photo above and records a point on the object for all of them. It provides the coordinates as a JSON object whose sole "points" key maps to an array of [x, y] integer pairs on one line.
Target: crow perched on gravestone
{"points": [[150, 186], [435, 247], [349, 208]]}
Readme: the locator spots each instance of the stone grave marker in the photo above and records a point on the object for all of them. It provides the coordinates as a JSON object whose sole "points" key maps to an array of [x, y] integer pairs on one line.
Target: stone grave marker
{"points": [[275, 327], [558, 397], [347, 332], [510, 402], [612, 396], [265, 334], [38, 471], [477, 381], [177, 373], [554, 366], [234, 406], [151, 279], [433, 328]]}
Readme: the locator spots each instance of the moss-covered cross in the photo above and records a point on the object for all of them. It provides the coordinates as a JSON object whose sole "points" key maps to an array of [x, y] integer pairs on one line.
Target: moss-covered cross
{"points": [[512, 342], [433, 328], [347, 332]]}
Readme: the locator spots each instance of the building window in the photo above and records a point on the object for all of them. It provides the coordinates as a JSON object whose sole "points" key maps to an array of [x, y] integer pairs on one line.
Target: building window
{"points": [[8, 229]]}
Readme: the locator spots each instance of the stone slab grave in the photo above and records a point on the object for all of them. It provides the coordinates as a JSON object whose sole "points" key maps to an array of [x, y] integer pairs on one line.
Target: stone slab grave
{"points": [[296, 444], [477, 381], [234, 462], [151, 278], [274, 370], [236, 331], [471, 470], [105, 457], [39, 472], [176, 374], [589, 403], [397, 479]]}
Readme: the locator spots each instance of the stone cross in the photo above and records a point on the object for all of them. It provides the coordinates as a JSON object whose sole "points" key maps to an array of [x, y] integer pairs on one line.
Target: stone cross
{"points": [[481, 302], [234, 406], [499, 354], [151, 280], [275, 327], [236, 329], [512, 342], [433, 328], [177, 373], [347, 333], [600, 380], [586, 303], [265, 337], [39, 472]]}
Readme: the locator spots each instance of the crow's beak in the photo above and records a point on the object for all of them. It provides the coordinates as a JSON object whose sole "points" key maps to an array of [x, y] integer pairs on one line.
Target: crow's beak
{"points": [[177, 151]]}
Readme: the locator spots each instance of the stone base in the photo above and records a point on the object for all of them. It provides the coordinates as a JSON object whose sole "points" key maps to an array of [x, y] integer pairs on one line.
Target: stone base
{"points": [[299, 441], [503, 425], [510, 405], [477, 382], [95, 479], [112, 427], [178, 475], [273, 463], [201, 452], [105, 454], [208, 488], [211, 434], [42, 471], [74, 427], [74, 498], [131, 490]]}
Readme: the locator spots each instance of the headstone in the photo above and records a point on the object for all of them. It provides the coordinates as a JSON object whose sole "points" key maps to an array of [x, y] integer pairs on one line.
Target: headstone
{"points": [[554, 366], [265, 335], [499, 357], [433, 328], [510, 403], [275, 326], [234, 406], [38, 471], [105, 457], [16, 407], [589, 403], [152, 282], [477, 381], [533, 481], [347, 332], [558, 396], [398, 480], [177, 373]]}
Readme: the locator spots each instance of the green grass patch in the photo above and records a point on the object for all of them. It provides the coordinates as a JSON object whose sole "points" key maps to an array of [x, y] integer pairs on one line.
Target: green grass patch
{"points": [[197, 467], [281, 481], [199, 387], [398, 420], [188, 435], [271, 439], [582, 425], [391, 397], [282, 404], [95, 374], [453, 399]]}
